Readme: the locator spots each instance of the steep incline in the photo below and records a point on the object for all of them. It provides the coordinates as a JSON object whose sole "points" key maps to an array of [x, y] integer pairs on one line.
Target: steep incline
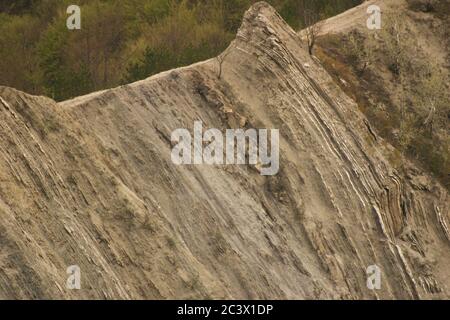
{"points": [[90, 182]]}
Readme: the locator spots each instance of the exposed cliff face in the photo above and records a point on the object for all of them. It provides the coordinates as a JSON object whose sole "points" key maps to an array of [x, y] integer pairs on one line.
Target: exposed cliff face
{"points": [[399, 75], [90, 182]]}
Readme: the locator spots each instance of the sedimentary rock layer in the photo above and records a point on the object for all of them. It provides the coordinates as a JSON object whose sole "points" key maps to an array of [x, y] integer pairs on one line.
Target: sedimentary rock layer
{"points": [[90, 182]]}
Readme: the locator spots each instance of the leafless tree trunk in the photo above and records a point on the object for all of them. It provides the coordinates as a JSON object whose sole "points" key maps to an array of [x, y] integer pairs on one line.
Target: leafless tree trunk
{"points": [[312, 26], [221, 59]]}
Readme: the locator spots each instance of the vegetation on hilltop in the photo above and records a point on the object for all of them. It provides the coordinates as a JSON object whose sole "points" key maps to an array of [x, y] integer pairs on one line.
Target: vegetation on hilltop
{"points": [[120, 41], [398, 84]]}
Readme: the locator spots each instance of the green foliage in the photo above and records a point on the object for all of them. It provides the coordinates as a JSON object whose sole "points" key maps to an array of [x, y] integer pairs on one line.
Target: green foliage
{"points": [[17, 51], [153, 61], [155, 10], [60, 79], [51, 61], [121, 40], [16, 6]]}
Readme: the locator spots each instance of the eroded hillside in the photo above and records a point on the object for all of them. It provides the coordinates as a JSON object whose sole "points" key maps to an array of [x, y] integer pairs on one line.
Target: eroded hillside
{"points": [[399, 75], [90, 182]]}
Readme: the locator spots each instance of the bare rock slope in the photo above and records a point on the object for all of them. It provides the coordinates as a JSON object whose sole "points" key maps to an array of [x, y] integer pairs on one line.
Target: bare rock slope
{"points": [[90, 182]]}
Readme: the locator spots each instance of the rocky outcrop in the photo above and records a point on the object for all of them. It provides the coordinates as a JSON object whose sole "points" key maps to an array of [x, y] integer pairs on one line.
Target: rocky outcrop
{"points": [[90, 182]]}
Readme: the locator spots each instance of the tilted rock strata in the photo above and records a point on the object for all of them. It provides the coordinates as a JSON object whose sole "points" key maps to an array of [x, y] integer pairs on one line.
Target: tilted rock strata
{"points": [[90, 182]]}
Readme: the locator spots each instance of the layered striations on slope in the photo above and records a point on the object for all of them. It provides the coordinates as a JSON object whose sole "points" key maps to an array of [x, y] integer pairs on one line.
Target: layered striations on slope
{"points": [[90, 182]]}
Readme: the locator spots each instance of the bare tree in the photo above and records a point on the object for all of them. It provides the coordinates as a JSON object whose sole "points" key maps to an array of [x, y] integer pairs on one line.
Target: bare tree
{"points": [[312, 26], [221, 59]]}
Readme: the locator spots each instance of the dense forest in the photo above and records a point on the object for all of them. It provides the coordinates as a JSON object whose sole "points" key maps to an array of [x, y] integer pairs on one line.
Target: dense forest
{"points": [[121, 41]]}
